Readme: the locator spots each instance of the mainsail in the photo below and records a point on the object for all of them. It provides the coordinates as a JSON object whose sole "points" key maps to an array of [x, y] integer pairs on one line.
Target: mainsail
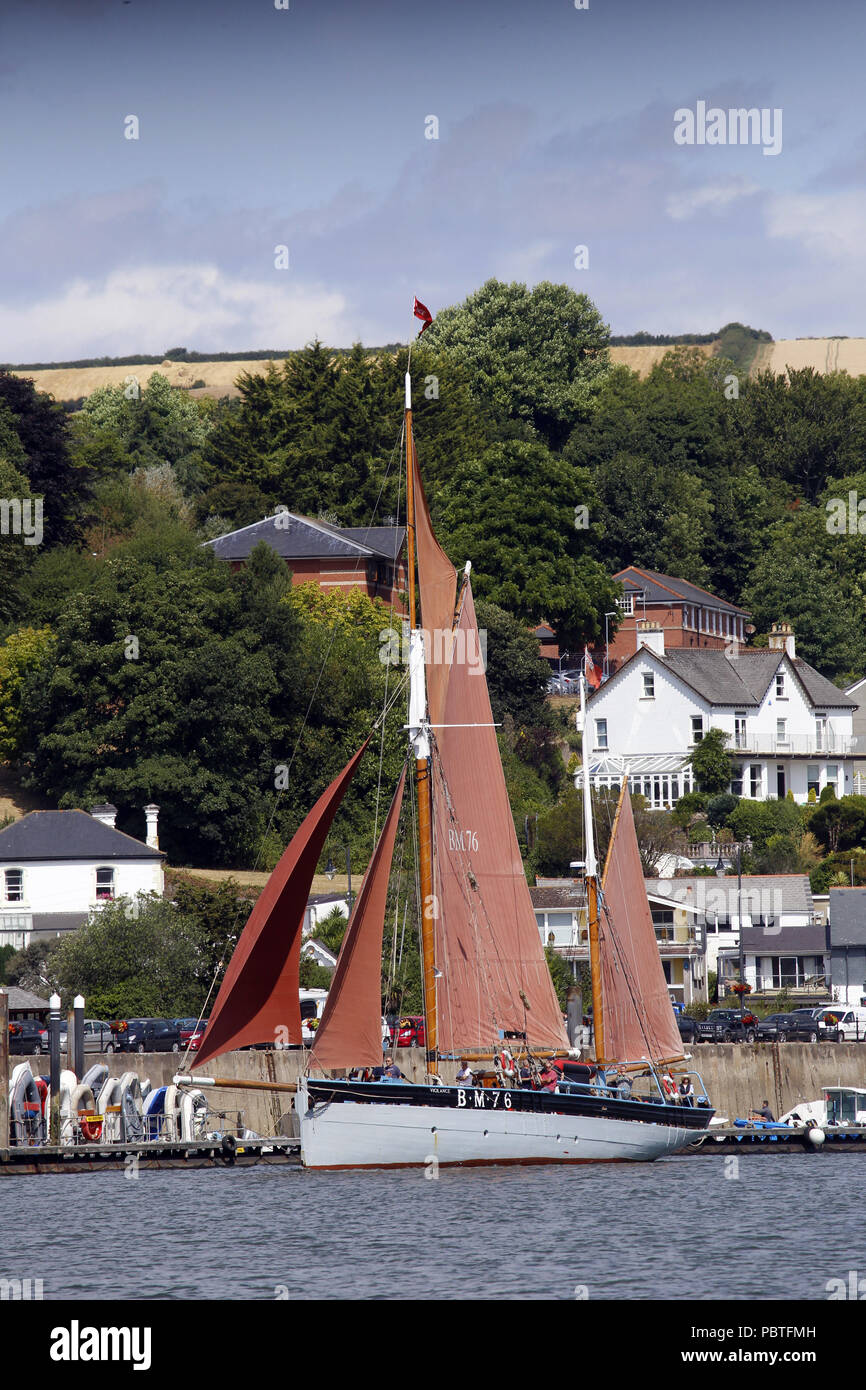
{"points": [[494, 976], [258, 999], [350, 1033], [639, 1022]]}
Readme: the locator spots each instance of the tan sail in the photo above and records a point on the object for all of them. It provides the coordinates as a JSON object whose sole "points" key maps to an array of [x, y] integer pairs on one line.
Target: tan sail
{"points": [[494, 976], [639, 1022], [350, 1033]]}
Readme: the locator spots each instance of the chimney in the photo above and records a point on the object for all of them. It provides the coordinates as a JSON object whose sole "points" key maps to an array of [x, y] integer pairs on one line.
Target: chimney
{"points": [[782, 639], [105, 814], [651, 635], [151, 839]]}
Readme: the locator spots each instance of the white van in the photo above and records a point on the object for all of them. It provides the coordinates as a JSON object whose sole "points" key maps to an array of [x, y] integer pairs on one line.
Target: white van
{"points": [[312, 1007], [850, 1024]]}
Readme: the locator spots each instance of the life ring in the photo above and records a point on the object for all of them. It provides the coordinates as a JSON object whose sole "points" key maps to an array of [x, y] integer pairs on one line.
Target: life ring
{"points": [[90, 1126], [669, 1086], [229, 1148], [506, 1062]]}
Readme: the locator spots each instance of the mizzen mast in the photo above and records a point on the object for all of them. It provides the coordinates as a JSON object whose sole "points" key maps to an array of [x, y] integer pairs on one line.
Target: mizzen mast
{"points": [[591, 877], [419, 734]]}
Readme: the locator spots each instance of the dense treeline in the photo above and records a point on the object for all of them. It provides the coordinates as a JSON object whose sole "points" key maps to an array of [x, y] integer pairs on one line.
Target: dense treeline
{"points": [[544, 464]]}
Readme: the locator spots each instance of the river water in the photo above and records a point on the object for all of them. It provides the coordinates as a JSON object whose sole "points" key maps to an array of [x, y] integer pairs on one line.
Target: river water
{"points": [[690, 1227]]}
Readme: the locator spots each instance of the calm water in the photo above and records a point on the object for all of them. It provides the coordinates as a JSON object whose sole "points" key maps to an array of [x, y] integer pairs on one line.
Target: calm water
{"points": [[779, 1230]]}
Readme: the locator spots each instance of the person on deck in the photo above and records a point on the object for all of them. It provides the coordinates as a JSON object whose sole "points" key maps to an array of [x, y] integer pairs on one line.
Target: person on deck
{"points": [[687, 1091], [549, 1078], [765, 1113], [465, 1074]]}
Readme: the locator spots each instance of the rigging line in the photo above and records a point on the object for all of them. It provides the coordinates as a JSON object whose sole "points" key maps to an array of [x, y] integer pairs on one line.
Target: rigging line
{"points": [[396, 451], [504, 982], [388, 664], [640, 1009]]}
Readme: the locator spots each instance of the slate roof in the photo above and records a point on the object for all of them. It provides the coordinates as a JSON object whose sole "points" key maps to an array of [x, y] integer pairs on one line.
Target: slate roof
{"points": [[56, 923], [848, 916], [23, 999], [792, 892], [663, 588], [68, 835], [565, 898], [743, 680], [300, 538]]}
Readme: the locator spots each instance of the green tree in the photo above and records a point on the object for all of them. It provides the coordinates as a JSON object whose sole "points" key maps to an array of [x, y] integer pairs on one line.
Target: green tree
{"points": [[22, 653], [512, 513], [710, 763], [42, 431], [537, 356]]}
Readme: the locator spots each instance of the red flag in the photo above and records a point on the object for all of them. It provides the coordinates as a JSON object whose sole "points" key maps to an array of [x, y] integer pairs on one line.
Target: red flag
{"points": [[422, 312], [589, 669]]}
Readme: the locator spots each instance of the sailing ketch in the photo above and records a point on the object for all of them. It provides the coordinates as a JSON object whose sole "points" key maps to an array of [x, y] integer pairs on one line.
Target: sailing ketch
{"points": [[488, 994]]}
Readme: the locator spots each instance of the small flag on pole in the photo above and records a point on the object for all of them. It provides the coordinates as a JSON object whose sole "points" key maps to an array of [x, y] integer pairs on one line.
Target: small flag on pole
{"points": [[422, 312], [593, 678]]}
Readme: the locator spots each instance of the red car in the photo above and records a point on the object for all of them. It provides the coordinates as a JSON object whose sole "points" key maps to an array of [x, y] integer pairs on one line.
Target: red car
{"points": [[410, 1032]]}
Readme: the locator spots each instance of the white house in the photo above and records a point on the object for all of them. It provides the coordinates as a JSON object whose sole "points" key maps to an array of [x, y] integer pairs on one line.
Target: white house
{"points": [[784, 941], [789, 728], [57, 866]]}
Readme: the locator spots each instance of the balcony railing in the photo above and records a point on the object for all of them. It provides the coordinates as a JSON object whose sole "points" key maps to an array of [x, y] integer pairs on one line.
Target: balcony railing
{"points": [[832, 745]]}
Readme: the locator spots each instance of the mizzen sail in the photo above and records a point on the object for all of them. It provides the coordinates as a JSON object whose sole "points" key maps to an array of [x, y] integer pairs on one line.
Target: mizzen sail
{"points": [[258, 1000], [494, 974], [639, 1022], [350, 1033]]}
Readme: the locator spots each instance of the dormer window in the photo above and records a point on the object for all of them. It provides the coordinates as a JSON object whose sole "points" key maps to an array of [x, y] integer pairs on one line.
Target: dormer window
{"points": [[104, 885], [649, 685], [626, 605], [780, 686], [14, 881]]}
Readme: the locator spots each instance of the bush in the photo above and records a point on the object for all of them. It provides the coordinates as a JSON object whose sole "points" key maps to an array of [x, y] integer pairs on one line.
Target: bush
{"points": [[687, 807], [720, 807], [828, 794]]}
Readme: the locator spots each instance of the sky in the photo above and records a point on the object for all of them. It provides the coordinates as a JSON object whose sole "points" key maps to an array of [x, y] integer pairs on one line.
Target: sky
{"points": [[308, 127]]}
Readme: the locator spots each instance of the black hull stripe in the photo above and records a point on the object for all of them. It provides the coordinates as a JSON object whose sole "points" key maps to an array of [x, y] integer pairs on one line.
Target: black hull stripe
{"points": [[522, 1102]]}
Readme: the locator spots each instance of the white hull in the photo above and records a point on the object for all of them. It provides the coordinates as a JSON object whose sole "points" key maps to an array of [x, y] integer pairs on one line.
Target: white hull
{"points": [[367, 1135]]}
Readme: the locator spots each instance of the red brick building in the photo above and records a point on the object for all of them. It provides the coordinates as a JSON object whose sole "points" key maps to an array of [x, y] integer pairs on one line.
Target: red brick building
{"points": [[369, 558], [688, 616]]}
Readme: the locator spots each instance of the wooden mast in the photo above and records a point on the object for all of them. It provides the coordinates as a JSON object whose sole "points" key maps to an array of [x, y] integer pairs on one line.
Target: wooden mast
{"points": [[422, 772], [591, 878]]}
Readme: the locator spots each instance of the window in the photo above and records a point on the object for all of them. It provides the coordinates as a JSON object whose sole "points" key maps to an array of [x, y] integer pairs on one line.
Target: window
{"points": [[626, 605], [781, 731], [737, 779], [780, 686], [812, 778], [820, 732], [649, 685], [104, 884], [697, 728], [740, 729], [832, 775], [601, 733], [14, 885], [755, 781]]}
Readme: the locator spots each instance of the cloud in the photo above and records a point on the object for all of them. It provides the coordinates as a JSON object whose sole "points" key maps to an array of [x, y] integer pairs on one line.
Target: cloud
{"points": [[831, 227], [713, 196], [149, 307]]}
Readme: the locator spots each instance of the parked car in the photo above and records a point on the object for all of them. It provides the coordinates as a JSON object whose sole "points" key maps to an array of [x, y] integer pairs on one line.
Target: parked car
{"points": [[787, 1027], [27, 1036], [690, 1030], [97, 1036], [848, 1024], [145, 1035], [728, 1025], [194, 1041], [409, 1032], [817, 1022], [189, 1027]]}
